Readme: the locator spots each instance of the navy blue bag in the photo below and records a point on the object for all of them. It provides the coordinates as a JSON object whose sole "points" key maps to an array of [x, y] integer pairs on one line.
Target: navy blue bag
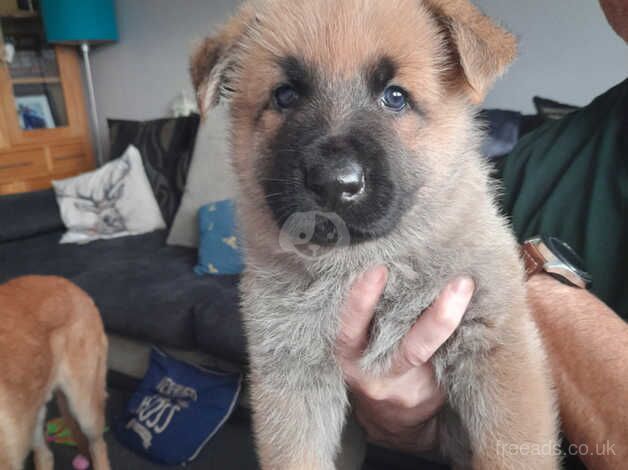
{"points": [[177, 409]]}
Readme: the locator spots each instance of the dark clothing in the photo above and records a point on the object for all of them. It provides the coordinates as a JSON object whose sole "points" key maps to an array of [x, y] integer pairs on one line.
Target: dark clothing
{"points": [[569, 179]]}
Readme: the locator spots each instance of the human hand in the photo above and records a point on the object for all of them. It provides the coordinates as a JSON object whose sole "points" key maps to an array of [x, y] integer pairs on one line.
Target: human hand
{"points": [[397, 410]]}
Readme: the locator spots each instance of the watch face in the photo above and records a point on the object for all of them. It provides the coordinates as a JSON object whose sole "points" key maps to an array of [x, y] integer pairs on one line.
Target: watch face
{"points": [[566, 254]]}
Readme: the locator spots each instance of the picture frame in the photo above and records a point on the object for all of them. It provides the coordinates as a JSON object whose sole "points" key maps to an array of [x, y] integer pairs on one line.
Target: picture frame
{"points": [[26, 5], [34, 112]]}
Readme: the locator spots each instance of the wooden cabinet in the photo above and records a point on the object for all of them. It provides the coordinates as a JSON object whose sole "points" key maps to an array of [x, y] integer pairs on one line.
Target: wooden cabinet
{"points": [[44, 127]]}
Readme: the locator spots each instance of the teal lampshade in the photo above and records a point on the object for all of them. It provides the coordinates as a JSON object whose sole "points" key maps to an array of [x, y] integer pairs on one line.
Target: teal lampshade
{"points": [[77, 21]]}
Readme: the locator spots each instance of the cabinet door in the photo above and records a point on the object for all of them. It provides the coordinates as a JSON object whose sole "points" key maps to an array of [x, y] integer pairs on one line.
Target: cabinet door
{"points": [[41, 90], [5, 81], [5, 140]]}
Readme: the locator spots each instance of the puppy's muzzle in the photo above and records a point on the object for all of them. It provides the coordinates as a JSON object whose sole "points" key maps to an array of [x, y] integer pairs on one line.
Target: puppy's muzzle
{"points": [[335, 176], [338, 183], [348, 175]]}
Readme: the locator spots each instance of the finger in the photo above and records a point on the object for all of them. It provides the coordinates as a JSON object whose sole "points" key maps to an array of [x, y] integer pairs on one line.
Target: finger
{"points": [[358, 312], [435, 325], [416, 388]]}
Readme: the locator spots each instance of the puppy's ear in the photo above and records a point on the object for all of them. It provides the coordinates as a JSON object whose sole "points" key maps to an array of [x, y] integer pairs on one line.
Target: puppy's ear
{"points": [[215, 58], [480, 50]]}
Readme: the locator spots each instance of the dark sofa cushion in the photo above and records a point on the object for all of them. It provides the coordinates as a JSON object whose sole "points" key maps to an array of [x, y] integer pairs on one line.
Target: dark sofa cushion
{"points": [[143, 288], [218, 327], [27, 214], [552, 110], [503, 131], [166, 146]]}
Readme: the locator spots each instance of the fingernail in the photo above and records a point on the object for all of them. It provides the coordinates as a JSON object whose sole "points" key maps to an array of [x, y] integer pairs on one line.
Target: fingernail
{"points": [[463, 286]]}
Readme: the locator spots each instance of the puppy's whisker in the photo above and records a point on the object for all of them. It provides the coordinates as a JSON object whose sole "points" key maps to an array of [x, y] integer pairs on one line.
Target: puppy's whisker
{"points": [[274, 195], [279, 180]]}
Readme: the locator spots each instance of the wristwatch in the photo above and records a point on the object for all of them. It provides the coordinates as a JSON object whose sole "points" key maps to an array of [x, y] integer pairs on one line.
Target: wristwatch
{"points": [[556, 258]]}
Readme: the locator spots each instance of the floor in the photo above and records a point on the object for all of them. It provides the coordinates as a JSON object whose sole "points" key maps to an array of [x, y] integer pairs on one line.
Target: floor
{"points": [[230, 449]]}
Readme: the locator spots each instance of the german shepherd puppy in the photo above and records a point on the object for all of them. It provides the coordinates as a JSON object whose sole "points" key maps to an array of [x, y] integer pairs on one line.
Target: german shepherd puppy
{"points": [[354, 143], [51, 340]]}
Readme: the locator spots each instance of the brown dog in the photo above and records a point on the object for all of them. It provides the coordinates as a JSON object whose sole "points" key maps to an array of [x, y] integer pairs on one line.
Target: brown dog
{"points": [[355, 144], [51, 340]]}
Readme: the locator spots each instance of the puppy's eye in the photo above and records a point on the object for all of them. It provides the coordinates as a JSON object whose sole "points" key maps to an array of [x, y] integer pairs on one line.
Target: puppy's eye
{"points": [[286, 96], [395, 98]]}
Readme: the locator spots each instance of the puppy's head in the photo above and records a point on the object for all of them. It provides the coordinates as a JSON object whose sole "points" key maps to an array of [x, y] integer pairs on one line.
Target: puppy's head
{"points": [[362, 108]]}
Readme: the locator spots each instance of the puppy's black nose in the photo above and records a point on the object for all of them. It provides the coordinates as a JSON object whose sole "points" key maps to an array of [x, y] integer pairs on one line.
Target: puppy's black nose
{"points": [[336, 182]]}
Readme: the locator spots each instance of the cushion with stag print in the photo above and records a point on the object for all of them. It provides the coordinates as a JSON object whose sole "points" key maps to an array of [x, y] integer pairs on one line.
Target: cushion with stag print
{"points": [[115, 200]]}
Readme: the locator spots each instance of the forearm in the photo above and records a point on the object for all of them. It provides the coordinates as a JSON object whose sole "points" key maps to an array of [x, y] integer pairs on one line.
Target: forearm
{"points": [[588, 348]]}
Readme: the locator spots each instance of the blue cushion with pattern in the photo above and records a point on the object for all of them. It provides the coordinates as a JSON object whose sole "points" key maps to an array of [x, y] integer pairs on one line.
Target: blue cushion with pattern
{"points": [[218, 248], [176, 410]]}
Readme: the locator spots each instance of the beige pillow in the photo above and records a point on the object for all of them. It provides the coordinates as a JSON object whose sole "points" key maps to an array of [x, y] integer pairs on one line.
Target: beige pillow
{"points": [[210, 178]]}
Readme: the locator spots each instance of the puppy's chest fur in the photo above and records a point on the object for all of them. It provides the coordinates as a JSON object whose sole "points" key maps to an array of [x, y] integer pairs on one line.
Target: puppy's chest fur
{"points": [[294, 324]]}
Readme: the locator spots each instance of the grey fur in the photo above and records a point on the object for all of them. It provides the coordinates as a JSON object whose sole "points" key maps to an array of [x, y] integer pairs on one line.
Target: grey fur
{"points": [[291, 313], [493, 368]]}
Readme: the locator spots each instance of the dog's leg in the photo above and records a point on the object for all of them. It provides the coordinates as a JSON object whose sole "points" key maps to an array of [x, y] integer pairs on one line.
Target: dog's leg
{"points": [[298, 393], [298, 419], [86, 398], [16, 436], [506, 404], [69, 420], [42, 456], [84, 414]]}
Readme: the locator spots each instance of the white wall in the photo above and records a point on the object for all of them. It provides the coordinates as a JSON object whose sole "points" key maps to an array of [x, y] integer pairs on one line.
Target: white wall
{"points": [[568, 52], [139, 77]]}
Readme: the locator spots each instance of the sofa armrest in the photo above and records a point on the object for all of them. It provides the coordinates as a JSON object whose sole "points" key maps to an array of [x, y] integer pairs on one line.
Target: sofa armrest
{"points": [[28, 214]]}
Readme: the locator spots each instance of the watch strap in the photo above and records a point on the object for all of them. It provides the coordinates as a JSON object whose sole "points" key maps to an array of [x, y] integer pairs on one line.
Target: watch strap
{"points": [[533, 260]]}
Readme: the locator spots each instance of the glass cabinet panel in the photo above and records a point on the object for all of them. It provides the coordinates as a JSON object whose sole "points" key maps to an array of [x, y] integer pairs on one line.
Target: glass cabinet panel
{"points": [[34, 73]]}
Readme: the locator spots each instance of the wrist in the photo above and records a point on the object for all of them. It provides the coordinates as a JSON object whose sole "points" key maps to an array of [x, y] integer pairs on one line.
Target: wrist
{"points": [[545, 293], [543, 282]]}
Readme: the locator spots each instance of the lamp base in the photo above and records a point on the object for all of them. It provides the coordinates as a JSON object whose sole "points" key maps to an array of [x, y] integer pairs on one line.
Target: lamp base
{"points": [[100, 159]]}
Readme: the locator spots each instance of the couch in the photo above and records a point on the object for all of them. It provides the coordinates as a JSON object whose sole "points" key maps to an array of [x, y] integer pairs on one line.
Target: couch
{"points": [[146, 290]]}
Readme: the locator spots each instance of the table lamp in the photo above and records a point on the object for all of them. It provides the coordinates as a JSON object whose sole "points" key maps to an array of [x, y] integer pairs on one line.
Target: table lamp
{"points": [[82, 22]]}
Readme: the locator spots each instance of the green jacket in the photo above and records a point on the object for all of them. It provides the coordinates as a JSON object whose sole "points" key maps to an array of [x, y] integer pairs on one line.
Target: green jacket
{"points": [[569, 179]]}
